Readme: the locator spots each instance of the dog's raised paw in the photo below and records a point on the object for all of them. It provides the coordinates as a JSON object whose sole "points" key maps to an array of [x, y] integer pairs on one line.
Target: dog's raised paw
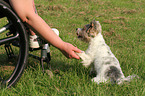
{"points": [[86, 65], [83, 56]]}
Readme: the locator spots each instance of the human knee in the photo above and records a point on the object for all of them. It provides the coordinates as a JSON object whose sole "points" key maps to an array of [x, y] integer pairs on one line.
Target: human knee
{"points": [[24, 19], [27, 18]]}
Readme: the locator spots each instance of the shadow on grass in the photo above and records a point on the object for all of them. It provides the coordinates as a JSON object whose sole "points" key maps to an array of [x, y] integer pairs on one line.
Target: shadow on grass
{"points": [[75, 68]]}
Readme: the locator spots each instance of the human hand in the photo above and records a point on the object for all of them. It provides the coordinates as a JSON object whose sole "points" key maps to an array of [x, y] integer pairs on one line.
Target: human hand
{"points": [[69, 51]]}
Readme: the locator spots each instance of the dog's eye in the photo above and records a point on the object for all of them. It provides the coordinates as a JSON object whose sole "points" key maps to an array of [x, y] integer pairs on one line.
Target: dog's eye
{"points": [[91, 35], [90, 26], [88, 29]]}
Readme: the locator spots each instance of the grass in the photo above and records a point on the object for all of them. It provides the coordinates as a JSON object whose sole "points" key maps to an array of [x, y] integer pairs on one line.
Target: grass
{"points": [[123, 23]]}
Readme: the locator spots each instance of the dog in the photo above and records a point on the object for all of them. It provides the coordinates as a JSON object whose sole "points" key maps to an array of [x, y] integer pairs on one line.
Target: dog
{"points": [[99, 55]]}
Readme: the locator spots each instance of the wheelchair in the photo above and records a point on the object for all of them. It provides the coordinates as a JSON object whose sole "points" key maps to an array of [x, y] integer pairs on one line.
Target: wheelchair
{"points": [[14, 40]]}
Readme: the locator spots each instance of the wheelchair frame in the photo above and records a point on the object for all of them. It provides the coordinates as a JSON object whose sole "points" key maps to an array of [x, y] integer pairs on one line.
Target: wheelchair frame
{"points": [[16, 36]]}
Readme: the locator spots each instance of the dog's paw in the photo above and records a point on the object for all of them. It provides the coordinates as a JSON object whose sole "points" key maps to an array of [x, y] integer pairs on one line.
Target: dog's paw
{"points": [[86, 59], [99, 80], [96, 80], [86, 63], [82, 55]]}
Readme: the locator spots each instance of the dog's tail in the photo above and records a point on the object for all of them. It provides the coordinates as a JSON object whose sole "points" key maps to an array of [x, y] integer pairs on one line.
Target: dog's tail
{"points": [[127, 79]]}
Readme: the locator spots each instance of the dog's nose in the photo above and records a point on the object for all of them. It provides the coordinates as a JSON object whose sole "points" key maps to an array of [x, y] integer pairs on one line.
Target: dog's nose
{"points": [[77, 33], [78, 29]]}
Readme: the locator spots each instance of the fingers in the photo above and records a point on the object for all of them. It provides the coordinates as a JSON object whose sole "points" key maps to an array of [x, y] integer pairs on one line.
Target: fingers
{"points": [[70, 51], [77, 50], [71, 55], [75, 56]]}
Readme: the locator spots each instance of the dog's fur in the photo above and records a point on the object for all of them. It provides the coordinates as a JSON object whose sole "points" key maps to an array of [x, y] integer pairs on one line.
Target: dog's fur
{"points": [[98, 54]]}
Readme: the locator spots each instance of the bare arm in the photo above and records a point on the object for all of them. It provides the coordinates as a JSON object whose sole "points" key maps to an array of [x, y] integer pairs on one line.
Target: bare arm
{"points": [[25, 10]]}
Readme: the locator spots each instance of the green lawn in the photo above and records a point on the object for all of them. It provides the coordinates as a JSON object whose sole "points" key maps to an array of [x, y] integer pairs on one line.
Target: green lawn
{"points": [[123, 25]]}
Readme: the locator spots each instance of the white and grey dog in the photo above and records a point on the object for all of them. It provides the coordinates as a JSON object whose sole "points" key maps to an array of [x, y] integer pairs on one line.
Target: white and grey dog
{"points": [[99, 55]]}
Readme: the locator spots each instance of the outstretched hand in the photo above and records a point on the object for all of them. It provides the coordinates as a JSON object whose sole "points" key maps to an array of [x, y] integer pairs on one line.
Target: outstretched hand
{"points": [[70, 51]]}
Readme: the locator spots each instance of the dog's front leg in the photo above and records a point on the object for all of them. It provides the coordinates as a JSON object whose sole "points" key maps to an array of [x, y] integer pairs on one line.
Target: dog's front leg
{"points": [[86, 59]]}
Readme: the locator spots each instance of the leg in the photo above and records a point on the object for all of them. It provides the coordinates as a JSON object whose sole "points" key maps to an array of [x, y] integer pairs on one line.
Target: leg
{"points": [[33, 37], [87, 60]]}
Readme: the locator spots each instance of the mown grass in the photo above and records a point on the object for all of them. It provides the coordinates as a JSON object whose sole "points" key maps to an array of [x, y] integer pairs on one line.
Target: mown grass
{"points": [[123, 24]]}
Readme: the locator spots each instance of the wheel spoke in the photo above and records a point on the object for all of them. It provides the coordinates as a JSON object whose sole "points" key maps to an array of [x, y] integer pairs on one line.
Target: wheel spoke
{"points": [[9, 39], [6, 27]]}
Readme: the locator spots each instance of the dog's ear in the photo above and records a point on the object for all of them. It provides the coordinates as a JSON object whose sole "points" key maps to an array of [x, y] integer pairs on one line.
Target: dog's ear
{"points": [[92, 24], [99, 28], [96, 25]]}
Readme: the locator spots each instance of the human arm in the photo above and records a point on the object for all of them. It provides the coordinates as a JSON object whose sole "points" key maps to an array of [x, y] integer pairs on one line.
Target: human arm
{"points": [[25, 10]]}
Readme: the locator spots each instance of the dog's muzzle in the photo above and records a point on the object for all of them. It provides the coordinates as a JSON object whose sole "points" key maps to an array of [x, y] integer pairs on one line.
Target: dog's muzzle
{"points": [[78, 32]]}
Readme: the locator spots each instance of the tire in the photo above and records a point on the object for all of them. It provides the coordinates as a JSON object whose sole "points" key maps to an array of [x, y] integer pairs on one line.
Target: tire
{"points": [[13, 66]]}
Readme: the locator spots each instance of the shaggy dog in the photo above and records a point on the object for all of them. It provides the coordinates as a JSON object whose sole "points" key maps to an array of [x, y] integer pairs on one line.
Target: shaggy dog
{"points": [[103, 61]]}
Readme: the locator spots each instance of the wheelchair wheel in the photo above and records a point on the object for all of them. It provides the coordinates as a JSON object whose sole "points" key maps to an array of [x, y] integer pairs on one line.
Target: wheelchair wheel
{"points": [[13, 46]]}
